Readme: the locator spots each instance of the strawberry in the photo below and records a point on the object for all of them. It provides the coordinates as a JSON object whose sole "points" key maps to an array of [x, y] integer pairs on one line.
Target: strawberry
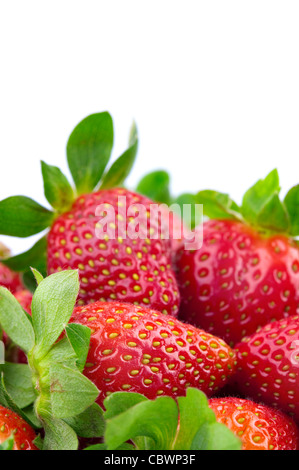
{"points": [[12, 424], [246, 272], [131, 260], [268, 365], [258, 426], [137, 271], [238, 281], [141, 350]]}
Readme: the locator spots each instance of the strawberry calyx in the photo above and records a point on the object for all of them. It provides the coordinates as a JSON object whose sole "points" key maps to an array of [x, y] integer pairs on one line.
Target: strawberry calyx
{"points": [[184, 423], [261, 207], [88, 153], [55, 365]]}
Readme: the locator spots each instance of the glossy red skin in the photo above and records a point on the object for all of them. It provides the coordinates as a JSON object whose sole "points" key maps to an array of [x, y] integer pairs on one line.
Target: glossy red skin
{"points": [[10, 423], [10, 279], [238, 281], [267, 366], [137, 271], [258, 426], [138, 351]]}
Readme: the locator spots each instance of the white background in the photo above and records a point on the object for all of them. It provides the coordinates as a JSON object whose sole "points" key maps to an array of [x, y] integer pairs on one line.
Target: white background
{"points": [[212, 85]]}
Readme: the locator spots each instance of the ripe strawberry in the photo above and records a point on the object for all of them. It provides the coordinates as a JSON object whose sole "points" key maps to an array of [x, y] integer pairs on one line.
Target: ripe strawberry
{"points": [[258, 426], [141, 350], [128, 265], [13, 424], [137, 271], [268, 365], [238, 281]]}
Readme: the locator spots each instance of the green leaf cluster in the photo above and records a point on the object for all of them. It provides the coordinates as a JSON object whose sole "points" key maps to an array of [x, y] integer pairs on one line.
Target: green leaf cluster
{"points": [[50, 392], [186, 423], [261, 206]]}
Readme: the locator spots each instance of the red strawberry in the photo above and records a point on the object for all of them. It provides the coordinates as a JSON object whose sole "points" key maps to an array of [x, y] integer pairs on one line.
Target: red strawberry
{"points": [[258, 426], [141, 350], [268, 365], [132, 270], [238, 281], [12, 424]]}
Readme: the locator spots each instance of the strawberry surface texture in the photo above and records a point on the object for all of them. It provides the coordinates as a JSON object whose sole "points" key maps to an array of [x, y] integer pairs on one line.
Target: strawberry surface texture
{"points": [[13, 425], [258, 426], [268, 365], [140, 350], [116, 267], [238, 280]]}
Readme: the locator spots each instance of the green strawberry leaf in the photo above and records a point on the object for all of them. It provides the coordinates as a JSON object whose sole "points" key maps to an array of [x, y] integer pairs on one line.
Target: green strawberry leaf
{"points": [[155, 186], [88, 424], [38, 442], [194, 412], [291, 203], [18, 383], [58, 190], [59, 436], [121, 168], [14, 321], [187, 210], [61, 352], [21, 217], [186, 423], [217, 205], [79, 337], [8, 444], [35, 256], [37, 275], [215, 436], [156, 420], [88, 150], [259, 195], [31, 417], [119, 402], [71, 392], [52, 306], [273, 216], [7, 401]]}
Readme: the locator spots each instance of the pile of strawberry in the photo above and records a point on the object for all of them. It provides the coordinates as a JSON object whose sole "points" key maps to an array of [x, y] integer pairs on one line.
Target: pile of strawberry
{"points": [[119, 336]]}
